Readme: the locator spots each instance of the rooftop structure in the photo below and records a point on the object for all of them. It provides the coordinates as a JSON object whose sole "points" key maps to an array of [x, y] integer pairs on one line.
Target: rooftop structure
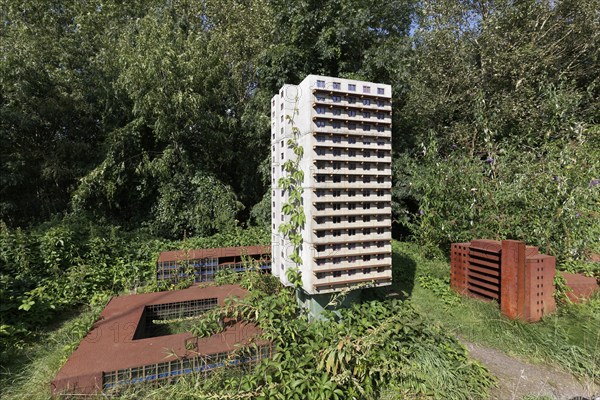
{"points": [[122, 349], [203, 264], [345, 131]]}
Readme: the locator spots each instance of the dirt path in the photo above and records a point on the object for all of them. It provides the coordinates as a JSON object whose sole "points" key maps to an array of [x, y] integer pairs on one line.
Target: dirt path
{"points": [[517, 378]]}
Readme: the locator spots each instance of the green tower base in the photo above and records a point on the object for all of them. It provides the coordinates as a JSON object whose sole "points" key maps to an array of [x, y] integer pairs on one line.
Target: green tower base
{"points": [[316, 304]]}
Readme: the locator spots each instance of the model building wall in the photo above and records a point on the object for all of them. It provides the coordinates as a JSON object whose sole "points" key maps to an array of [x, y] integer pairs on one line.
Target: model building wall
{"points": [[345, 130]]}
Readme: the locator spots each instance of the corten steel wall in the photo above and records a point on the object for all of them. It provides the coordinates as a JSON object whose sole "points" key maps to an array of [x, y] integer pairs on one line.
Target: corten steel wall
{"points": [[538, 287], [459, 254], [203, 264], [513, 257], [221, 252], [483, 270], [580, 286], [519, 278], [113, 345]]}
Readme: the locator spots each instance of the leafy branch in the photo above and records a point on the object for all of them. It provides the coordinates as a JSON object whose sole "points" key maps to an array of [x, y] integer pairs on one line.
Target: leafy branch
{"points": [[293, 208]]}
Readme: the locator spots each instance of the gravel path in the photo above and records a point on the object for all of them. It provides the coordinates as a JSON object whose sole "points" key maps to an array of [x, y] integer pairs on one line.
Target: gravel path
{"points": [[517, 379]]}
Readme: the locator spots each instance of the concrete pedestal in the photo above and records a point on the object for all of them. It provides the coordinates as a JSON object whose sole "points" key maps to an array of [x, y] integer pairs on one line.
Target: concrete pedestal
{"points": [[316, 304]]}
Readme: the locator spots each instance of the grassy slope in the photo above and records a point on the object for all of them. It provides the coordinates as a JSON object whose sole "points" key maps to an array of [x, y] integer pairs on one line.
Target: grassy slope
{"points": [[28, 374], [570, 338]]}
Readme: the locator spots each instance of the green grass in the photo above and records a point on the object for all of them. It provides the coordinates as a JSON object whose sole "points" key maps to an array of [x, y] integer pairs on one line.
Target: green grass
{"points": [[29, 370], [172, 326], [569, 338]]}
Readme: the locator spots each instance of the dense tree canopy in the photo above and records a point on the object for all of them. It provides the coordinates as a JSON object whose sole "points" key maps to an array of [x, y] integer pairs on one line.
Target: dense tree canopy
{"points": [[121, 109], [155, 113]]}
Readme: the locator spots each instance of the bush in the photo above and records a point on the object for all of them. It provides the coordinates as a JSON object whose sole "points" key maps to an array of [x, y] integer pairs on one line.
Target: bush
{"points": [[69, 261], [547, 197], [370, 349]]}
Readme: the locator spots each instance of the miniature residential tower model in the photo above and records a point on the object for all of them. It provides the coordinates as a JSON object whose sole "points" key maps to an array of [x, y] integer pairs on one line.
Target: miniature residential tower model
{"points": [[344, 128]]}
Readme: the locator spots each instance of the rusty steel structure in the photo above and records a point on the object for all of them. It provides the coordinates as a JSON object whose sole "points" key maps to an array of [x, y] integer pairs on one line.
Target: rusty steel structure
{"points": [[121, 350], [580, 286], [203, 264], [516, 276]]}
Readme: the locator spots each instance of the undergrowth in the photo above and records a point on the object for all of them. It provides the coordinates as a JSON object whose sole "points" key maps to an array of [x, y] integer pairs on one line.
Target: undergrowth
{"points": [[30, 370], [371, 348], [47, 271], [398, 343], [569, 338], [367, 351]]}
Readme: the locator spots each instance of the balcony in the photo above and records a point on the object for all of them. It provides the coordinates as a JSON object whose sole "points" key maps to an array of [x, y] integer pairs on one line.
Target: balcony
{"points": [[356, 252], [329, 198], [330, 283], [358, 158], [356, 265], [358, 119], [358, 238], [344, 184], [373, 211], [344, 170], [343, 129], [359, 224], [373, 145], [328, 92]]}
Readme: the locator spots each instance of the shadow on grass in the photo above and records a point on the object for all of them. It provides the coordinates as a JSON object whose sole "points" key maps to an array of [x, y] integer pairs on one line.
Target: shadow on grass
{"points": [[404, 269], [15, 355], [32, 361]]}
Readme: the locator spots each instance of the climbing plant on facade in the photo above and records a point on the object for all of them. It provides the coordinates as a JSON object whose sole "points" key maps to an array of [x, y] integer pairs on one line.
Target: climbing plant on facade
{"points": [[291, 183]]}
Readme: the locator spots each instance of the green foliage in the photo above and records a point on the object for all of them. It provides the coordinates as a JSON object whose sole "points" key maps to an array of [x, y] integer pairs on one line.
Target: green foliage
{"points": [[545, 197], [111, 108], [502, 126], [560, 289], [388, 348], [202, 206], [441, 288], [66, 263], [335, 38], [292, 185], [28, 371], [366, 349], [568, 338], [51, 106], [156, 115], [235, 236], [260, 214]]}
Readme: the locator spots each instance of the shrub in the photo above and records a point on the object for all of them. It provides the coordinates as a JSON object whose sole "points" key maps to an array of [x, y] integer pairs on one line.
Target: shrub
{"points": [[547, 197]]}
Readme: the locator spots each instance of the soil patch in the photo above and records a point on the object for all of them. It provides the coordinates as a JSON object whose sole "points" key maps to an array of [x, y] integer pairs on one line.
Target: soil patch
{"points": [[518, 379]]}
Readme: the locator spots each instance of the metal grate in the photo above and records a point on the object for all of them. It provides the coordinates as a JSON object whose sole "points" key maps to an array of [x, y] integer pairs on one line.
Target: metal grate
{"points": [[172, 370], [483, 273], [205, 269], [181, 309], [202, 269], [170, 311]]}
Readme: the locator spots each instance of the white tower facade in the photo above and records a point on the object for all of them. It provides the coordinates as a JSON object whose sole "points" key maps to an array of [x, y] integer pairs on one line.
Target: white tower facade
{"points": [[345, 130]]}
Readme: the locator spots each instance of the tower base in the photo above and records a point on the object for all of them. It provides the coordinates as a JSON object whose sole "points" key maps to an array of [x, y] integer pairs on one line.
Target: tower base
{"points": [[317, 305]]}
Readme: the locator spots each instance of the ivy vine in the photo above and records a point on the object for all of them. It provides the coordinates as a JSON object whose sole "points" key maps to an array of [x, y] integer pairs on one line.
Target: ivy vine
{"points": [[291, 183]]}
